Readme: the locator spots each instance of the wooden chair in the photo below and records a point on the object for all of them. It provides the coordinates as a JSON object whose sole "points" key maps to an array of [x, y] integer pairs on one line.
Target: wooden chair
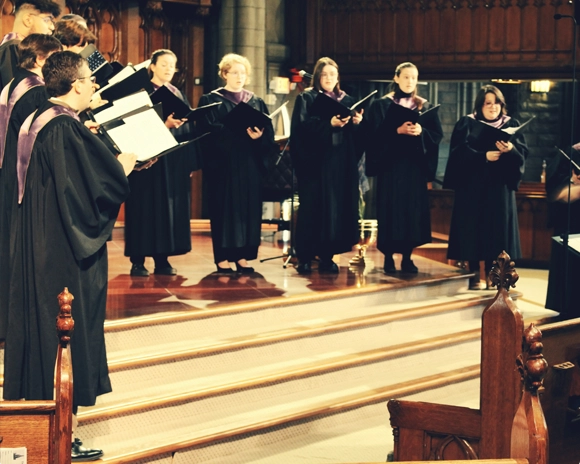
{"points": [[44, 428], [426, 431]]}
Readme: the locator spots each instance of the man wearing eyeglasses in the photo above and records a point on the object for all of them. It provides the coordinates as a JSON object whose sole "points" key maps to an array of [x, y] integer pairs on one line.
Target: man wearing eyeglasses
{"points": [[70, 188], [30, 17]]}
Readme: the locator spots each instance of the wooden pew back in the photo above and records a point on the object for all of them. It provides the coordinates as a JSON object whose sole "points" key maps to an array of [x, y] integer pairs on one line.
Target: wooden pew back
{"points": [[426, 431], [44, 428]]}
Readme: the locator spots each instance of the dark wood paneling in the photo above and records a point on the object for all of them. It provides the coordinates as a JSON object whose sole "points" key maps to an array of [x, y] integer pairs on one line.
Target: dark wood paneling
{"points": [[454, 39]]}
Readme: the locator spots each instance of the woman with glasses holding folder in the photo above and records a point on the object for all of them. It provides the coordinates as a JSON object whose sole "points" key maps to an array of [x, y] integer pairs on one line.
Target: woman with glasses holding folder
{"points": [[325, 152], [158, 210], [235, 156], [485, 172], [402, 152]]}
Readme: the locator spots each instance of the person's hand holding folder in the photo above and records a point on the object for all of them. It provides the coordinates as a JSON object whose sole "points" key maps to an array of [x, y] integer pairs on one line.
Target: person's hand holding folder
{"points": [[336, 121], [408, 128], [172, 123], [255, 133]]}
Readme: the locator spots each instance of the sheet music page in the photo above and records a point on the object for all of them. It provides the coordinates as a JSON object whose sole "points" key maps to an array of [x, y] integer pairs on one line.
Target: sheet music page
{"points": [[574, 243], [144, 134], [513, 130], [124, 106], [143, 64], [363, 100], [124, 73]]}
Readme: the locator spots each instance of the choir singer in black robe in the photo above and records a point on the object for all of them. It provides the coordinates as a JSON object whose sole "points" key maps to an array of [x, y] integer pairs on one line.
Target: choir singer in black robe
{"points": [[30, 17], [234, 164], [485, 218], [325, 153], [158, 210], [403, 156], [70, 188], [23, 95]]}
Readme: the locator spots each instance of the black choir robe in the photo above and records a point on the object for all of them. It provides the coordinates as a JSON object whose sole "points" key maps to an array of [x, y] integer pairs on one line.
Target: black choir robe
{"points": [[325, 161], [74, 188], [485, 218], [27, 104], [8, 61], [157, 211], [557, 179], [403, 165], [234, 166]]}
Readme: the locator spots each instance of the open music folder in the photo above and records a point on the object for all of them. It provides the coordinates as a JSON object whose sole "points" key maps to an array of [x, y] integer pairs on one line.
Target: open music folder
{"points": [[120, 107], [486, 135], [126, 82], [142, 132], [397, 115], [325, 107], [172, 104], [243, 116]]}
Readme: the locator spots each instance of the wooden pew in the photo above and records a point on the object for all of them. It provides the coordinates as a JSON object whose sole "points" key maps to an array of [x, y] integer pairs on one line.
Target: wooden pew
{"points": [[426, 431], [44, 428]]}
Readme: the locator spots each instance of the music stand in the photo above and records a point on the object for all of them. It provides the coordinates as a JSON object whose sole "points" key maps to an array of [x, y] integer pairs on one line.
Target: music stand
{"points": [[281, 222]]}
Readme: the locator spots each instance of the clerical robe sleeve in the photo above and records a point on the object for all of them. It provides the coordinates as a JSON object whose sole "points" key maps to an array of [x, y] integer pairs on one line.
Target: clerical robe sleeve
{"points": [[90, 185]]}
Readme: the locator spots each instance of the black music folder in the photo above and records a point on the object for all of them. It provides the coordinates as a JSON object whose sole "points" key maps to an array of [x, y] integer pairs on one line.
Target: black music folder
{"points": [[486, 135], [243, 116], [325, 107], [99, 66], [397, 115], [172, 104], [138, 80]]}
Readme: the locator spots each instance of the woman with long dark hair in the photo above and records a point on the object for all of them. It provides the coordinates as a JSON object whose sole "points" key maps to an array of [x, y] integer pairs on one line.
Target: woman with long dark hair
{"points": [[325, 153], [484, 220], [403, 156]]}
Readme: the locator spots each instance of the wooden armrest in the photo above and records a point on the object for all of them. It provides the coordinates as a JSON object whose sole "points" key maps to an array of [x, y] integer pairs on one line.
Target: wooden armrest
{"points": [[439, 418]]}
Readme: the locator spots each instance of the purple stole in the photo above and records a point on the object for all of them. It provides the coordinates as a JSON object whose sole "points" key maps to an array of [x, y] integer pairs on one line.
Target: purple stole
{"points": [[28, 133], [11, 36], [7, 105], [235, 97]]}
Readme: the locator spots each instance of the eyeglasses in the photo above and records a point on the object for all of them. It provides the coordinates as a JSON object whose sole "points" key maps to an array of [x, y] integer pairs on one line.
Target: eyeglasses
{"points": [[490, 104], [237, 73], [92, 78], [47, 19]]}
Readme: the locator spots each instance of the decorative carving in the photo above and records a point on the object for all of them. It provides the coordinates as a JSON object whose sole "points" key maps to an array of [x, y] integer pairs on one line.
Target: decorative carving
{"points": [[503, 274], [64, 322], [437, 454], [505, 3], [103, 20], [531, 363]]}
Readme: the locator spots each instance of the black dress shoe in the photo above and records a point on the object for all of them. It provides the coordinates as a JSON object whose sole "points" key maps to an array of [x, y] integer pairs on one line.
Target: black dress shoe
{"points": [[165, 271], [224, 270], [304, 268], [138, 270], [328, 266], [244, 269], [389, 265], [408, 266], [474, 283], [81, 454]]}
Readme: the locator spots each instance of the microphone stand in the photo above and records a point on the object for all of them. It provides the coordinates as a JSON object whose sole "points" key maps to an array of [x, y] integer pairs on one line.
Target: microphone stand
{"points": [[291, 252], [566, 236]]}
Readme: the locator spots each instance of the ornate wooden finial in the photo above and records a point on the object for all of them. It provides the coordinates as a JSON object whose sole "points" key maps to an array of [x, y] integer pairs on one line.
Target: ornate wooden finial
{"points": [[503, 273], [531, 363], [64, 322]]}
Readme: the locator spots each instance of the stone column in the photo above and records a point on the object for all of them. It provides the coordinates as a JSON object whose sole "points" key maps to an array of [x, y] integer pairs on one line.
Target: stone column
{"points": [[243, 31]]}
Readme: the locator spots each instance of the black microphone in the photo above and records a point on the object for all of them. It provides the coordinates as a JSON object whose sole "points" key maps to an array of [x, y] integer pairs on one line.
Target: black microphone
{"points": [[559, 16], [303, 73]]}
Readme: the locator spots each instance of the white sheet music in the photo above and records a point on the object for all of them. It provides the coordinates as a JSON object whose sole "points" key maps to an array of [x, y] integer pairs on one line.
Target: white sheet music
{"points": [[143, 64], [574, 243], [123, 106], [144, 134]]}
